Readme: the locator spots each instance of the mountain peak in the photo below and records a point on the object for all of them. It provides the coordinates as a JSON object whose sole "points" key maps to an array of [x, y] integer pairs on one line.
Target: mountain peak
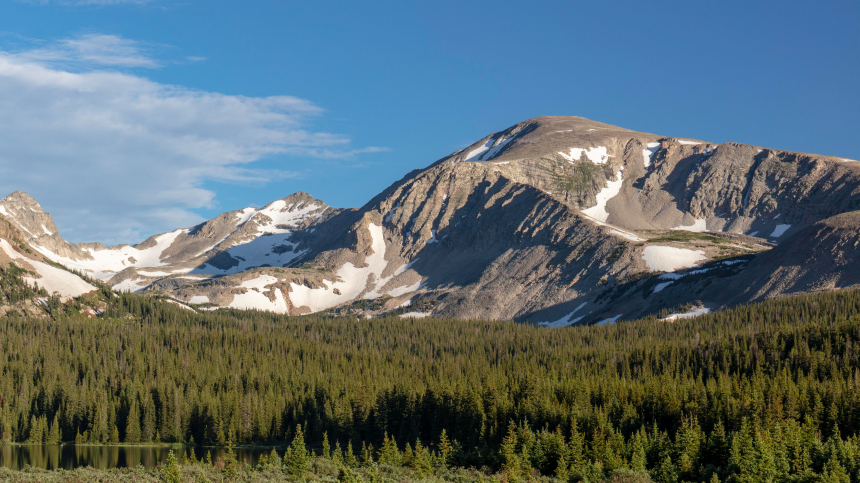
{"points": [[544, 136], [21, 200], [23, 210]]}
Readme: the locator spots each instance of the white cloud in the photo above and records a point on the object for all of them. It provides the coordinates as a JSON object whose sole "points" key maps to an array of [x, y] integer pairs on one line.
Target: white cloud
{"points": [[92, 50], [116, 157]]}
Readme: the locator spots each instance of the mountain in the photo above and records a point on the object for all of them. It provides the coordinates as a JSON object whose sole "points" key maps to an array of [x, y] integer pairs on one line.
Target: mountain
{"points": [[43, 278], [555, 220]]}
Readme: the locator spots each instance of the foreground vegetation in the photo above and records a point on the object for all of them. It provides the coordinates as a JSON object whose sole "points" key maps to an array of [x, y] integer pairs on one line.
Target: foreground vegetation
{"points": [[767, 392]]}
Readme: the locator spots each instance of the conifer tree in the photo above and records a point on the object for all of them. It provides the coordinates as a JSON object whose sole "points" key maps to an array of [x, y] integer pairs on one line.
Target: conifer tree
{"points": [[349, 456], [638, 460], [337, 455], [170, 472], [666, 471], [561, 470], [421, 460], [231, 465], [296, 460], [326, 447], [54, 436], [132, 428], [445, 448], [511, 462], [575, 448]]}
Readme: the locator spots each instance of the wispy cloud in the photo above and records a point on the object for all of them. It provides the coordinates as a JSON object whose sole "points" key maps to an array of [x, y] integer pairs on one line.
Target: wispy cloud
{"points": [[92, 50], [116, 156]]}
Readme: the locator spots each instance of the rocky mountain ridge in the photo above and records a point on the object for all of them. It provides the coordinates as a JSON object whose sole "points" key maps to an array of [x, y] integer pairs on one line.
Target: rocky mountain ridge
{"points": [[556, 220]]}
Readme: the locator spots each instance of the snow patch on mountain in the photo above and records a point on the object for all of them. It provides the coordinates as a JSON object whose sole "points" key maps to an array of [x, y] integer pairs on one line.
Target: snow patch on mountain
{"points": [[479, 150], [244, 215], [493, 151], [565, 320], [107, 262], [398, 291], [648, 153], [415, 315], [597, 155], [598, 211], [669, 259], [689, 314], [52, 279], [626, 234], [352, 280], [779, 230], [609, 321], [130, 285], [489, 149], [698, 226], [661, 286], [255, 298]]}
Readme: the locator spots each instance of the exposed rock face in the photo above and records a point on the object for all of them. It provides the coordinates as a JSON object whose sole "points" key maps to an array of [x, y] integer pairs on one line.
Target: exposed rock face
{"points": [[558, 220]]}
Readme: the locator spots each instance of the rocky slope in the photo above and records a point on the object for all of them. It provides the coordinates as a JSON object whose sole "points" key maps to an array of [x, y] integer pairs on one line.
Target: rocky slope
{"points": [[556, 220]]}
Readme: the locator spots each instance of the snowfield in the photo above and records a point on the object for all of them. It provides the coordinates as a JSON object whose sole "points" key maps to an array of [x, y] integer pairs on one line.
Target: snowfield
{"points": [[254, 297], [108, 262], [52, 279], [626, 234], [648, 153], [609, 321], [597, 155], [273, 223], [669, 259], [489, 149], [661, 286], [698, 226], [130, 285], [779, 230], [414, 315], [565, 320], [688, 315], [352, 280], [598, 211], [398, 291]]}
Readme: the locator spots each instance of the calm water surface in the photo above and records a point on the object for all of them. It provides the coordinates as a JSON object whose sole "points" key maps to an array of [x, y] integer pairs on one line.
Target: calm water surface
{"points": [[69, 456]]}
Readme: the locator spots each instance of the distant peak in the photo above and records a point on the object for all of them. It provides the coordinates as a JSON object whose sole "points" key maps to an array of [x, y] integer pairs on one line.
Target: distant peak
{"points": [[300, 196], [20, 199]]}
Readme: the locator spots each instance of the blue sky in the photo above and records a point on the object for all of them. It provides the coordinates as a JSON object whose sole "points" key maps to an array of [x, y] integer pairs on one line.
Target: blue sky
{"points": [[128, 118]]}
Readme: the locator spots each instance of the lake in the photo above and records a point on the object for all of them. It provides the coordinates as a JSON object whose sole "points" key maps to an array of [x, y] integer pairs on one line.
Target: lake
{"points": [[70, 456]]}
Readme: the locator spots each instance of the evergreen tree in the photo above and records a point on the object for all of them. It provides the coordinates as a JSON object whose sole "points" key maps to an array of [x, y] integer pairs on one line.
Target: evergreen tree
{"points": [[296, 460], [388, 453], [421, 460], [132, 428], [666, 471], [54, 436], [561, 470], [231, 465], [638, 461], [349, 456], [326, 447], [170, 472], [445, 448]]}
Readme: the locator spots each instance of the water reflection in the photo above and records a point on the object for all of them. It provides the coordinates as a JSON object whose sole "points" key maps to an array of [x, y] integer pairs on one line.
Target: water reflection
{"points": [[54, 456]]}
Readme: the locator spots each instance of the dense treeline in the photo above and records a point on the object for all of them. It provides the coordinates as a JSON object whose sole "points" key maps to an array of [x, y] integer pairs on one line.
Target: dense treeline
{"points": [[767, 390]]}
